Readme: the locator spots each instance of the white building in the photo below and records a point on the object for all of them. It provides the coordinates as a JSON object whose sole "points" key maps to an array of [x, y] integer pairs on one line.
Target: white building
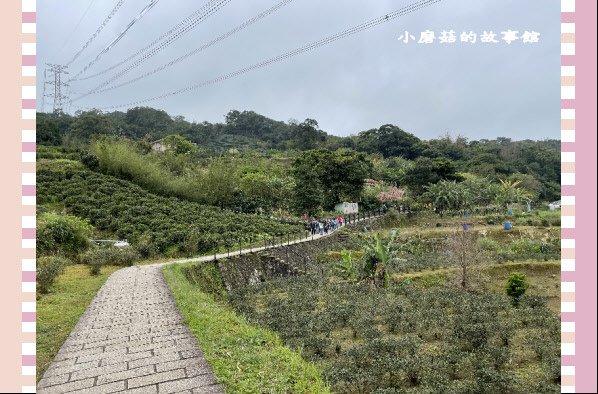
{"points": [[554, 205], [347, 207], [157, 146]]}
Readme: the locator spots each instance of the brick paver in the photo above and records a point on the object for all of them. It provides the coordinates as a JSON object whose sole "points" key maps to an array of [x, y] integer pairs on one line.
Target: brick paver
{"points": [[131, 339]]}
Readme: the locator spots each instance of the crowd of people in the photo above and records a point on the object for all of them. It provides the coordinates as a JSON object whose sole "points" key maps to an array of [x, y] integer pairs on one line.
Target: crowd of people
{"points": [[325, 226]]}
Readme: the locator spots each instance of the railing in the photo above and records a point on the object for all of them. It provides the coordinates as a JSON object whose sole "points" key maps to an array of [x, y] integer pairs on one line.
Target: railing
{"points": [[240, 246]]}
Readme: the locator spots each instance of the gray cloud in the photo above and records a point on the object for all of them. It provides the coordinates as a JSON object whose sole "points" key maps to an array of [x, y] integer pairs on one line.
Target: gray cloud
{"points": [[476, 90]]}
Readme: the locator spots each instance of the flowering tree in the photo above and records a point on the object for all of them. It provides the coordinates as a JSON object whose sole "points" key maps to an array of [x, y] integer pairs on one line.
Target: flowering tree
{"points": [[394, 194]]}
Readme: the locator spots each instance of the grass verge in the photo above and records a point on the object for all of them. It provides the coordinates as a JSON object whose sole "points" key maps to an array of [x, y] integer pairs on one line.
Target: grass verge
{"points": [[245, 358], [59, 310]]}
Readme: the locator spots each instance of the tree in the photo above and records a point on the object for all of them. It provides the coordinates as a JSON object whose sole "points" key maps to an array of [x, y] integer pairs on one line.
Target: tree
{"points": [[258, 128], [179, 145], [463, 250], [510, 192], [392, 170], [516, 286], [427, 171], [446, 147], [527, 182], [324, 178], [274, 191], [46, 132], [309, 189], [146, 120], [347, 266], [389, 140], [449, 195], [87, 124], [482, 190], [307, 135], [378, 255]]}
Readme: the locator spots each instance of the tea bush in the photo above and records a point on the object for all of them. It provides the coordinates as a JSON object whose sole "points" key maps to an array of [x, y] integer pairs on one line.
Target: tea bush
{"points": [[407, 338], [156, 223]]}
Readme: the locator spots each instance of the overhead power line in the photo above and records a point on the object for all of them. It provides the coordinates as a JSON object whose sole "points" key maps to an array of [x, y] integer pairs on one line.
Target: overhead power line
{"points": [[199, 49], [97, 32], [144, 11], [188, 21], [72, 34], [315, 44], [214, 7]]}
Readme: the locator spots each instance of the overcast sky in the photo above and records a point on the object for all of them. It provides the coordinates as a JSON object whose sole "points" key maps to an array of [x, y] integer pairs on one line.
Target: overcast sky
{"points": [[477, 90]]}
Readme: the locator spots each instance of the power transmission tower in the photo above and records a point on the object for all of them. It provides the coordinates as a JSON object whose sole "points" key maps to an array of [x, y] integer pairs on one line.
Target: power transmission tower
{"points": [[44, 93], [59, 98]]}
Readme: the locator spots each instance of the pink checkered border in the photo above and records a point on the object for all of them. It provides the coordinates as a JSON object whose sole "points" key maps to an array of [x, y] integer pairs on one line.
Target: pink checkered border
{"points": [[28, 98]]}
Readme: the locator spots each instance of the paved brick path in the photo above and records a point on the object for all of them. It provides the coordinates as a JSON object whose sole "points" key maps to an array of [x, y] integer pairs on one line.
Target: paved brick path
{"points": [[131, 339]]}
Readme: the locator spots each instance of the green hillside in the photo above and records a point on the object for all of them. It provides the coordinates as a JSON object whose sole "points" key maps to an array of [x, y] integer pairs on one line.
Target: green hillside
{"points": [[125, 210]]}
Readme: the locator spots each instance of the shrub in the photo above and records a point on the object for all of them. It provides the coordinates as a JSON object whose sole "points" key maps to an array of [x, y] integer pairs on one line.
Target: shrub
{"points": [[391, 218], [90, 161], [525, 247], [488, 244], [516, 286], [146, 246], [95, 267], [100, 256], [48, 269], [63, 234]]}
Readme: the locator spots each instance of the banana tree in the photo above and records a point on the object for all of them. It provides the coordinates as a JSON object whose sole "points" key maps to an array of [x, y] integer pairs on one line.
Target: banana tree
{"points": [[509, 192], [347, 266], [378, 255]]}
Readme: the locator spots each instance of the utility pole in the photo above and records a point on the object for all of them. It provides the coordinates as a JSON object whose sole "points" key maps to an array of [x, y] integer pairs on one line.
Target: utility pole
{"points": [[58, 96]]}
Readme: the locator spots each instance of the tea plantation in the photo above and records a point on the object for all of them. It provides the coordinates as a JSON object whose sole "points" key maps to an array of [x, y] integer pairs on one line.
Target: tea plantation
{"points": [[421, 333], [154, 224]]}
